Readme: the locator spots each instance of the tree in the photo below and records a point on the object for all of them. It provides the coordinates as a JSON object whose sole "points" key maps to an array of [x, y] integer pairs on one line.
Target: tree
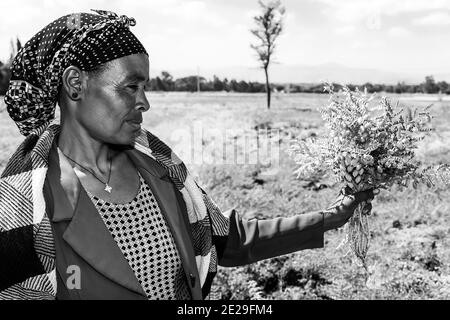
{"points": [[15, 47], [401, 87], [443, 87], [167, 81], [217, 84], [226, 85], [430, 85], [4, 78], [242, 86], [269, 25], [233, 85], [188, 83], [160, 86], [5, 69]]}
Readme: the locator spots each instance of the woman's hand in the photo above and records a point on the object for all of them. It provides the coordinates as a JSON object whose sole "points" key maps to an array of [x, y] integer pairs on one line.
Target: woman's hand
{"points": [[338, 213]]}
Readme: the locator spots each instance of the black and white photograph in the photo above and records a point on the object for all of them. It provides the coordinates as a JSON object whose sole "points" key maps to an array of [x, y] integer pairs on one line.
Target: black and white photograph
{"points": [[225, 150]]}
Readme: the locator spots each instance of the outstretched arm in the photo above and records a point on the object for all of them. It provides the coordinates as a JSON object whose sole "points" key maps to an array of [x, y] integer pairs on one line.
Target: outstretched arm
{"points": [[254, 239]]}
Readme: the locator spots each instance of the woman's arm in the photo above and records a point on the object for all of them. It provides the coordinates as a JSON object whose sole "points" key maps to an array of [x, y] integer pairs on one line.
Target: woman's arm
{"points": [[253, 240]]}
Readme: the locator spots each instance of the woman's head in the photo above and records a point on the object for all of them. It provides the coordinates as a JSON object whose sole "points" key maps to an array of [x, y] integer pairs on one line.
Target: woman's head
{"points": [[107, 102], [91, 51]]}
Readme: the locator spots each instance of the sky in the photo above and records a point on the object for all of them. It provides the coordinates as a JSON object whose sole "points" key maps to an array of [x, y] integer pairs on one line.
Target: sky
{"points": [[182, 36]]}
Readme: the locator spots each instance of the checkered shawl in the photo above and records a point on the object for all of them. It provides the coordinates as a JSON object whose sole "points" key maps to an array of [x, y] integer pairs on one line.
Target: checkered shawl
{"points": [[27, 253]]}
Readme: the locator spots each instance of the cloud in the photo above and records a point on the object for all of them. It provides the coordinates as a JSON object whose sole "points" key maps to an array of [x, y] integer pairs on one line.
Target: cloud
{"points": [[398, 32], [345, 30], [193, 11], [366, 44], [359, 11], [433, 19], [249, 14], [190, 33]]}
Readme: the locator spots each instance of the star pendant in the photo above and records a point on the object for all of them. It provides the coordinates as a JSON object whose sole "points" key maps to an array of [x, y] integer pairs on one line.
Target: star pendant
{"points": [[108, 188]]}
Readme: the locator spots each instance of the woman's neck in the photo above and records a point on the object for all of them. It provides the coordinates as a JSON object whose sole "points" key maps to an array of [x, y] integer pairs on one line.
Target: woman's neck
{"points": [[86, 151]]}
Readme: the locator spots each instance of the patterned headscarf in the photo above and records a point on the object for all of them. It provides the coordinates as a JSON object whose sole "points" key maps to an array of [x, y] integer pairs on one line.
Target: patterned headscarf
{"points": [[81, 39]]}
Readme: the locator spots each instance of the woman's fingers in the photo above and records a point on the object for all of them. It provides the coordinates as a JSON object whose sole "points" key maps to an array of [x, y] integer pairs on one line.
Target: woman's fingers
{"points": [[346, 191], [362, 196], [349, 201]]}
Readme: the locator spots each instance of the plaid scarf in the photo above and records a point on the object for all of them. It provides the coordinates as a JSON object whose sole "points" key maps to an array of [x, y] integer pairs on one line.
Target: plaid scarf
{"points": [[27, 254]]}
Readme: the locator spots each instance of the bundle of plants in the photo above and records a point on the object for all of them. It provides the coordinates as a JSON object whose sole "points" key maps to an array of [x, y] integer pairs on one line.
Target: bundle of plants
{"points": [[368, 144]]}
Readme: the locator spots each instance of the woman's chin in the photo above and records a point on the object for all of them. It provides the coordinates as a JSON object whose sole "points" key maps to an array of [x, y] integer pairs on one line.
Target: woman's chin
{"points": [[129, 141], [125, 139], [130, 138]]}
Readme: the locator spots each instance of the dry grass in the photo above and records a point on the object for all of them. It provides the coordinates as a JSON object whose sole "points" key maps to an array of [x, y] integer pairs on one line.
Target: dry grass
{"points": [[410, 229]]}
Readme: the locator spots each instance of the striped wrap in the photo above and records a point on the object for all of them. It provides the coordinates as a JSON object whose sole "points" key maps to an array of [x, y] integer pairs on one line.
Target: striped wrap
{"points": [[27, 253]]}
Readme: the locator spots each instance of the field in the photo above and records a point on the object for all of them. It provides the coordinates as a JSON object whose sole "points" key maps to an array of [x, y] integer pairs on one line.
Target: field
{"points": [[409, 256]]}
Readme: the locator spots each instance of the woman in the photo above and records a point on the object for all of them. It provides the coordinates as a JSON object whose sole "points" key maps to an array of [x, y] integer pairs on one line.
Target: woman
{"points": [[96, 207]]}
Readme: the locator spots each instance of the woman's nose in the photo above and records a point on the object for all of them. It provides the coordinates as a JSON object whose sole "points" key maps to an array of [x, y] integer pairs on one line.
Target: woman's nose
{"points": [[142, 102]]}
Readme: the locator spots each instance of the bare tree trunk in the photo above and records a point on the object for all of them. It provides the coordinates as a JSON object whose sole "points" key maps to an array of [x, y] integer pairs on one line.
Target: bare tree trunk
{"points": [[267, 87]]}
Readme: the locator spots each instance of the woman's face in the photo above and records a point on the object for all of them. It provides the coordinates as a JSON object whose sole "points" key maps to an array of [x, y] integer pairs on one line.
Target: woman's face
{"points": [[111, 110]]}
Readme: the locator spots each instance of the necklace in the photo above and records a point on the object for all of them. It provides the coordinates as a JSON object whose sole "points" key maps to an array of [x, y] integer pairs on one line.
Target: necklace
{"points": [[108, 188]]}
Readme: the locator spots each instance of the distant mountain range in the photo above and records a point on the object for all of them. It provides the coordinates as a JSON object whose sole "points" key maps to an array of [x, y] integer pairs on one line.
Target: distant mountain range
{"points": [[333, 72]]}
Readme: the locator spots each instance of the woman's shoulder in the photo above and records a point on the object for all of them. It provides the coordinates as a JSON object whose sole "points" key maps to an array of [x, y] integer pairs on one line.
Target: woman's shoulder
{"points": [[142, 160]]}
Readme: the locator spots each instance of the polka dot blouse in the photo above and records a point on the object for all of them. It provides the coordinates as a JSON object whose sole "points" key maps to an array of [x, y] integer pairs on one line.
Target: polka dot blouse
{"points": [[141, 232]]}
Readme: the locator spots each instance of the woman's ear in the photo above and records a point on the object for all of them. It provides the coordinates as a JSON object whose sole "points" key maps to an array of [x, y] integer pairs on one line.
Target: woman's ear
{"points": [[72, 83]]}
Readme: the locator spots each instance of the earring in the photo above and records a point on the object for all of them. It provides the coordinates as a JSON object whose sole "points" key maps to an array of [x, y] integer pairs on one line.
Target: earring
{"points": [[74, 95]]}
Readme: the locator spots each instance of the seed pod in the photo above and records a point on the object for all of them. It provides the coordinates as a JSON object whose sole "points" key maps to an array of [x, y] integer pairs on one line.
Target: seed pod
{"points": [[379, 169], [355, 173], [361, 171], [358, 179], [349, 169], [347, 160], [348, 177]]}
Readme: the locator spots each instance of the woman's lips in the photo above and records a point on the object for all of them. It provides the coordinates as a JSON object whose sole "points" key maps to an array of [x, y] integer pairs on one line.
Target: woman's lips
{"points": [[135, 125]]}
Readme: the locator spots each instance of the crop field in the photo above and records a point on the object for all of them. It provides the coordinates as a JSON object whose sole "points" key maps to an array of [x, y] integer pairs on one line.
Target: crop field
{"points": [[409, 256]]}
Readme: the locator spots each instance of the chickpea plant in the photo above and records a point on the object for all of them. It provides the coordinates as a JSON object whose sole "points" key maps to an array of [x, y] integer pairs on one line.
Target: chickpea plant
{"points": [[369, 144]]}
